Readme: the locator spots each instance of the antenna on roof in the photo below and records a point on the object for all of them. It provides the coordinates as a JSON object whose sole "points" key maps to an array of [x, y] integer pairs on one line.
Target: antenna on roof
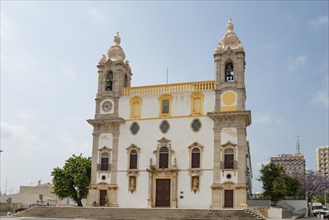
{"points": [[297, 146], [167, 75]]}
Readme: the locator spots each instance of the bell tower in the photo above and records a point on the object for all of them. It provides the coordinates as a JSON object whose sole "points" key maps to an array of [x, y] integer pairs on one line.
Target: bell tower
{"points": [[114, 73], [231, 180], [229, 70]]}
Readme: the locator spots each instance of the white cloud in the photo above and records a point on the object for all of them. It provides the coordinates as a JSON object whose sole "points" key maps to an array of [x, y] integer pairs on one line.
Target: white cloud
{"points": [[266, 119], [322, 98], [20, 139], [297, 62], [321, 21], [96, 14]]}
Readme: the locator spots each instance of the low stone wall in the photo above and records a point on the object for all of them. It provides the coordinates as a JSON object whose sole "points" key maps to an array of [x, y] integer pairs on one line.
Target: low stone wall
{"points": [[138, 214]]}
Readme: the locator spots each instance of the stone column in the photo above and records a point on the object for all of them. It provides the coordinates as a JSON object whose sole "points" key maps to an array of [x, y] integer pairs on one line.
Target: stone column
{"points": [[113, 186], [241, 191], [115, 155], [92, 193], [216, 186]]}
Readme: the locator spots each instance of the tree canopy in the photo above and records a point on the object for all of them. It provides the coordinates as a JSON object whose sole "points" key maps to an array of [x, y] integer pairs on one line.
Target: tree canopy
{"points": [[73, 179], [276, 183], [314, 183]]}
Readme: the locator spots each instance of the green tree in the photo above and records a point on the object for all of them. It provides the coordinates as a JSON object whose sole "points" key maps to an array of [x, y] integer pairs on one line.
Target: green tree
{"points": [[73, 179], [276, 183]]}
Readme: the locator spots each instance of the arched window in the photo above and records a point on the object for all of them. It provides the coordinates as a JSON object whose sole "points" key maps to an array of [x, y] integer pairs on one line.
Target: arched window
{"points": [[229, 73], [109, 81], [133, 159], [104, 161], [229, 158], [196, 103], [195, 162], [165, 105], [135, 107], [163, 157]]}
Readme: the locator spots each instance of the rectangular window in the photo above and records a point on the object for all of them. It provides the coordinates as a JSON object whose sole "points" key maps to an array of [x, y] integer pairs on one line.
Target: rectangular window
{"points": [[195, 158], [197, 105], [165, 106], [135, 110], [229, 161], [105, 164], [133, 160]]}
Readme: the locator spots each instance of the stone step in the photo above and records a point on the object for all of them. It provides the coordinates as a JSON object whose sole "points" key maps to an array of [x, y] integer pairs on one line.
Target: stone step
{"points": [[105, 213]]}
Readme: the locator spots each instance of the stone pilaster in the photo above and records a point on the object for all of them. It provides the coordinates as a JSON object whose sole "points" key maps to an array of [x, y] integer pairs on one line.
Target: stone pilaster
{"points": [[115, 150], [94, 155]]}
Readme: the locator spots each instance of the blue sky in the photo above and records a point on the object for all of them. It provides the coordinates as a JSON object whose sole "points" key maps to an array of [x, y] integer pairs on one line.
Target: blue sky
{"points": [[49, 53]]}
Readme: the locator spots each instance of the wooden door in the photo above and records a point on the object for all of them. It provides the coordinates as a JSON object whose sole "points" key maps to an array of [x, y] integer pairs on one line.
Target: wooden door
{"points": [[228, 199], [102, 197], [162, 197]]}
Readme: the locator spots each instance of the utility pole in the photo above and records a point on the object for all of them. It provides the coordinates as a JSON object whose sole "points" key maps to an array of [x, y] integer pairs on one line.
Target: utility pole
{"points": [[297, 146]]}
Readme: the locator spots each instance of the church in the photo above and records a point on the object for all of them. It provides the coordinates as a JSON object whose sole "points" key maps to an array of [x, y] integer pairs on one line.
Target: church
{"points": [[179, 145]]}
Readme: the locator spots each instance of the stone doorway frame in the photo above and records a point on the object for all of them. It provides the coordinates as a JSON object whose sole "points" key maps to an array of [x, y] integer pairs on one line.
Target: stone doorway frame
{"points": [[171, 174]]}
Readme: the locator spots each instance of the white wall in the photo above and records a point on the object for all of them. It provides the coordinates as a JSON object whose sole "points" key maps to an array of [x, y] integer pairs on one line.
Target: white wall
{"points": [[181, 136], [181, 105]]}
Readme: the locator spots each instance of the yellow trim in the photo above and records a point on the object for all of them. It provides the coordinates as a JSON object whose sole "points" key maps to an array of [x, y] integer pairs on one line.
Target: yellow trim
{"points": [[169, 88], [194, 96], [138, 101], [228, 108], [161, 99], [171, 117], [229, 97]]}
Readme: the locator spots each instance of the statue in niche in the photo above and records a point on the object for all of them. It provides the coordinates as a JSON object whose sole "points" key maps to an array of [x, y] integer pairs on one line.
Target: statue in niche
{"points": [[132, 184], [195, 183]]}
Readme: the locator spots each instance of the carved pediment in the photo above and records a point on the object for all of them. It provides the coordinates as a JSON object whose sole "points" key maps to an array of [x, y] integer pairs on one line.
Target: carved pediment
{"points": [[163, 140], [104, 149], [228, 144]]}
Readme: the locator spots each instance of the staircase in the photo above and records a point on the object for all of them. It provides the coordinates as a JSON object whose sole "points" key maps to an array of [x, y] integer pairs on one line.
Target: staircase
{"points": [[135, 214]]}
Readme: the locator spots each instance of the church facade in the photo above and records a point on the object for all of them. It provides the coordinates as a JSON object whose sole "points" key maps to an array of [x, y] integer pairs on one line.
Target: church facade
{"points": [[177, 145]]}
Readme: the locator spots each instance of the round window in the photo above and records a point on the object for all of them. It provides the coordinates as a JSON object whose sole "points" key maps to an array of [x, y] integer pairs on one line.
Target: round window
{"points": [[196, 125], [228, 176], [134, 128], [164, 126], [103, 177]]}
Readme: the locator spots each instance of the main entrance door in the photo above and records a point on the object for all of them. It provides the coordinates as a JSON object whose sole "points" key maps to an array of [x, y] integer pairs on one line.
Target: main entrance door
{"points": [[162, 197], [228, 199], [102, 197]]}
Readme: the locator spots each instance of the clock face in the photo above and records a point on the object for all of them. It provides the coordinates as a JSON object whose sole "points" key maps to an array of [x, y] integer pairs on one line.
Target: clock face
{"points": [[107, 106]]}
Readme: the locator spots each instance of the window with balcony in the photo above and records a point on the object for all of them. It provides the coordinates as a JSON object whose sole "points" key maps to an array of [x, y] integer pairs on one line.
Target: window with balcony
{"points": [[104, 165], [229, 158]]}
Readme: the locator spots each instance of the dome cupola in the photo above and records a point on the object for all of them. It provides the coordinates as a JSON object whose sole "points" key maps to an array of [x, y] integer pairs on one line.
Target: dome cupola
{"points": [[115, 53], [230, 39]]}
